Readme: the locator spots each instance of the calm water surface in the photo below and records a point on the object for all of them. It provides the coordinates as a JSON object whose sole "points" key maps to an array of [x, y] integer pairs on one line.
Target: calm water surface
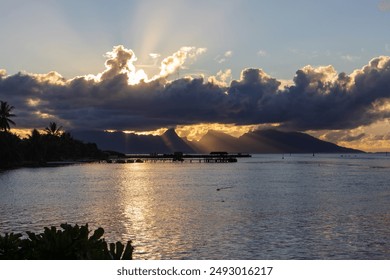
{"points": [[264, 207]]}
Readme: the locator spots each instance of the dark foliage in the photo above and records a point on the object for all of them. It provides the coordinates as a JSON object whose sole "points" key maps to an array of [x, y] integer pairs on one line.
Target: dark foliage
{"points": [[68, 243], [5, 116], [10, 150], [38, 149]]}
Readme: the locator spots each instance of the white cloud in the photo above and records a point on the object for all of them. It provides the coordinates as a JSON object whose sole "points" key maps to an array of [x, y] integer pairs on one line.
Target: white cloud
{"points": [[173, 63], [222, 79], [228, 54], [223, 58], [3, 72], [261, 53], [350, 58], [308, 54], [154, 55]]}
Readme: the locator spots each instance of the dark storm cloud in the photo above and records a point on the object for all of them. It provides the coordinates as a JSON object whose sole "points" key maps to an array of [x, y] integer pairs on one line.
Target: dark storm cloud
{"points": [[319, 98], [322, 99]]}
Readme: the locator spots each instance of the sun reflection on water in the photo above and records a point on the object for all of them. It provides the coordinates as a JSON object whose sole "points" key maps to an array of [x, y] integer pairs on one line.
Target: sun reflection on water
{"points": [[149, 219], [266, 207]]}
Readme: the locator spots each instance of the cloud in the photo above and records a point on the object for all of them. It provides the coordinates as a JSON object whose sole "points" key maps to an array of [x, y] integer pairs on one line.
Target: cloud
{"points": [[120, 61], [174, 62], [222, 78], [123, 98], [325, 100], [261, 53], [374, 137], [350, 58], [228, 54], [343, 136], [222, 58], [154, 55], [385, 137], [3, 73]]}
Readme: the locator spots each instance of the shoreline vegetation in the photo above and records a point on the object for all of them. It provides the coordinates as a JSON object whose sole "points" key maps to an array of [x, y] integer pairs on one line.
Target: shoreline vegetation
{"points": [[52, 147], [44, 150], [68, 243]]}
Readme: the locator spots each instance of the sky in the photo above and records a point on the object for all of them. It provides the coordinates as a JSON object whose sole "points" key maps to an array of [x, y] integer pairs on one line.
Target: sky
{"points": [[320, 67]]}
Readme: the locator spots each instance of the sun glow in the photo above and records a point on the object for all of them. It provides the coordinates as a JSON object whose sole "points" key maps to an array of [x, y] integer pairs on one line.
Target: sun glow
{"points": [[371, 138], [197, 131], [21, 132], [44, 115], [33, 102], [120, 61], [382, 106], [156, 132], [137, 77]]}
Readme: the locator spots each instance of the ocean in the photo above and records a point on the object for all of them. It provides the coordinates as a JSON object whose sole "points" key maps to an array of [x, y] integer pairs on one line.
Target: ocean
{"points": [[298, 206]]}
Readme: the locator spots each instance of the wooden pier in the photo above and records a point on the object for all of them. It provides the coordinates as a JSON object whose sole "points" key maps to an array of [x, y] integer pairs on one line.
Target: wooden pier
{"points": [[214, 157]]}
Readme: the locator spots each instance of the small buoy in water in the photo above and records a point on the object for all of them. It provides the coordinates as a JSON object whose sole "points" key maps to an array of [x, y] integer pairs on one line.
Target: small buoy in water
{"points": [[224, 188]]}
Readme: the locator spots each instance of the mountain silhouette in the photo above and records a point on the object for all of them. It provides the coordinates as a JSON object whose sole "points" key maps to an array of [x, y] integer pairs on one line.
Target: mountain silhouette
{"points": [[275, 141], [217, 141], [131, 143], [260, 141], [176, 144], [268, 141]]}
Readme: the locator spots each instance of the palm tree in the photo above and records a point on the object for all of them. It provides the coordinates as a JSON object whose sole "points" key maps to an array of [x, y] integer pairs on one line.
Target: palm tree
{"points": [[5, 115], [53, 130], [35, 147]]}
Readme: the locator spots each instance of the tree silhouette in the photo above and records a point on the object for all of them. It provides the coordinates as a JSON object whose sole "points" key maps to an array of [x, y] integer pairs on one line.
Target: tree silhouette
{"points": [[39, 149], [53, 130], [5, 115], [35, 147], [10, 150]]}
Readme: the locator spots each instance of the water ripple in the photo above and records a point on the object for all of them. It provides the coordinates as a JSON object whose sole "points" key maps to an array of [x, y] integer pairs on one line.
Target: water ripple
{"points": [[266, 207]]}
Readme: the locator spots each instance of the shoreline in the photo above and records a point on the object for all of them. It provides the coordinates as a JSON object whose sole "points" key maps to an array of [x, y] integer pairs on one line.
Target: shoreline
{"points": [[48, 164]]}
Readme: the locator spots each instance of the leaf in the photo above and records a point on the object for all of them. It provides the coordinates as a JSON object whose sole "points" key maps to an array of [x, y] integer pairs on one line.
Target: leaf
{"points": [[32, 236], [112, 250], [119, 250], [128, 254], [97, 234]]}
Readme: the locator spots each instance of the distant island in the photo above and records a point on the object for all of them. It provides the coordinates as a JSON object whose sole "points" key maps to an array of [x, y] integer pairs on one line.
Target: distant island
{"points": [[260, 141], [56, 145]]}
